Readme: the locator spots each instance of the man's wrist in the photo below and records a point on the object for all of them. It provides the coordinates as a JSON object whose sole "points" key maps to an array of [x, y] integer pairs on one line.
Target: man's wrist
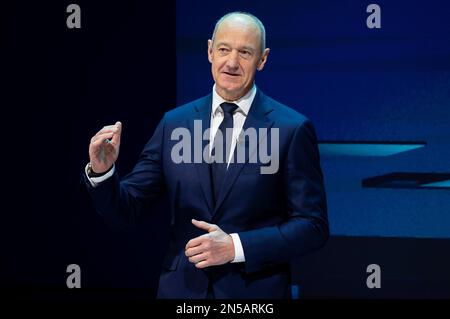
{"points": [[93, 174], [94, 181]]}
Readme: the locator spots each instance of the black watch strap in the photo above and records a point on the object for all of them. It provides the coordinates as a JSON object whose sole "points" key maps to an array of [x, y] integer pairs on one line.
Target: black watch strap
{"points": [[91, 173]]}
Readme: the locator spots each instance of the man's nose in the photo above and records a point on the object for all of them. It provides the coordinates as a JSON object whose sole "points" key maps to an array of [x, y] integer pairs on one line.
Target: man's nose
{"points": [[233, 60]]}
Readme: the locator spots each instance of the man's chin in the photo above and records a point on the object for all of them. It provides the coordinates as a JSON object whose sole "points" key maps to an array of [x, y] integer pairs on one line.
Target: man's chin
{"points": [[231, 94], [232, 86]]}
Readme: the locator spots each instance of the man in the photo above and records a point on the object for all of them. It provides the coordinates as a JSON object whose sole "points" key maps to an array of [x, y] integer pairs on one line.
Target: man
{"points": [[233, 229]]}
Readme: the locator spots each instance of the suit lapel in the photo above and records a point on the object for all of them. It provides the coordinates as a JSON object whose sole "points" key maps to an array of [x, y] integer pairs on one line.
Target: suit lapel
{"points": [[256, 118], [203, 113]]}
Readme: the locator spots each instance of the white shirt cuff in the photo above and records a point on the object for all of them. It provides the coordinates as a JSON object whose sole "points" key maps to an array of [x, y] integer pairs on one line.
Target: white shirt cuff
{"points": [[239, 256], [97, 180]]}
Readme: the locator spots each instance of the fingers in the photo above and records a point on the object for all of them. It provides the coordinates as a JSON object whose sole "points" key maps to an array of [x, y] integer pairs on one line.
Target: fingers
{"points": [[198, 240], [204, 225], [98, 139], [116, 137], [193, 251], [116, 128], [112, 132], [198, 258], [107, 129], [202, 264], [214, 248], [195, 242]]}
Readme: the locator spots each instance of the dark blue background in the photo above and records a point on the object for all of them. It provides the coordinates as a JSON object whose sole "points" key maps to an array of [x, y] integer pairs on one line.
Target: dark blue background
{"points": [[134, 60], [356, 84]]}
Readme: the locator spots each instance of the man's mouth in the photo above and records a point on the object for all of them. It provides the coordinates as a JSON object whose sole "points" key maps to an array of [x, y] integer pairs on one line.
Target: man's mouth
{"points": [[231, 74]]}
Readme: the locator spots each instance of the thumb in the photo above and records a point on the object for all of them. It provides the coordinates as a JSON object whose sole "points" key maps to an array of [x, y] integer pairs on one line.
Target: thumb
{"points": [[204, 225]]}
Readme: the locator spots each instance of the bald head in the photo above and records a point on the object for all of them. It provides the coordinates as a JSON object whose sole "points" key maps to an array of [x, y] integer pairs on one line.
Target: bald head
{"points": [[242, 19]]}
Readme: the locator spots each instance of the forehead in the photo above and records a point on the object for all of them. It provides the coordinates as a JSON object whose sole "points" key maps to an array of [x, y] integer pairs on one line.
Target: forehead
{"points": [[238, 31]]}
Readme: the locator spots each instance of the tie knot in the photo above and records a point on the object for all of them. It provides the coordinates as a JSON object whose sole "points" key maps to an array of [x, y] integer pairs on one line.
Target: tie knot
{"points": [[228, 108]]}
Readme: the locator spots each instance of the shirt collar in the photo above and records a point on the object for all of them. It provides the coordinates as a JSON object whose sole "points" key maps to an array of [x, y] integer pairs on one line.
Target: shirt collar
{"points": [[244, 103]]}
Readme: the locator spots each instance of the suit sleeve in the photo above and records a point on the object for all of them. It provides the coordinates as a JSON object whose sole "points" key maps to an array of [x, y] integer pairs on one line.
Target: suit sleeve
{"points": [[306, 226], [122, 201]]}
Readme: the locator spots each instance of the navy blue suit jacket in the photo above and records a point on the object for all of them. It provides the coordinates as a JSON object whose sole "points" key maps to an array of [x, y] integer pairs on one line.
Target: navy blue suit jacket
{"points": [[277, 216]]}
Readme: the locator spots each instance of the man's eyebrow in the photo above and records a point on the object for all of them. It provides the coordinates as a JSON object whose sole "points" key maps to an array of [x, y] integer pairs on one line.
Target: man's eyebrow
{"points": [[247, 48], [241, 48], [223, 43]]}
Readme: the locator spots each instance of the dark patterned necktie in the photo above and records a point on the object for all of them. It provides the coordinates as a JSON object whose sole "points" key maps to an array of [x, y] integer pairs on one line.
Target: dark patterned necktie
{"points": [[219, 165]]}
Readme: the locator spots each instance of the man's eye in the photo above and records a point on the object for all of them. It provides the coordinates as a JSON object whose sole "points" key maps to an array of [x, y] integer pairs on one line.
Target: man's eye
{"points": [[223, 50], [246, 54]]}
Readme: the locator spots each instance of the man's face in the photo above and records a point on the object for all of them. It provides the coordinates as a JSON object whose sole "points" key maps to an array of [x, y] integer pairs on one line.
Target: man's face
{"points": [[235, 55]]}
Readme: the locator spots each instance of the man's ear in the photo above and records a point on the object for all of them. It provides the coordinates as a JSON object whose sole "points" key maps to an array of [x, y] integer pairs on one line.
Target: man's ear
{"points": [[262, 61], [210, 50]]}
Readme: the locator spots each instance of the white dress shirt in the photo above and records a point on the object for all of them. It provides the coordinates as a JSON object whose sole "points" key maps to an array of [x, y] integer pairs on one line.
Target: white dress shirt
{"points": [[239, 116]]}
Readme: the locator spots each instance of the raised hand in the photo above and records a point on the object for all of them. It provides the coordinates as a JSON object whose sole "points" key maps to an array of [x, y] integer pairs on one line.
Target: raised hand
{"points": [[104, 148]]}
